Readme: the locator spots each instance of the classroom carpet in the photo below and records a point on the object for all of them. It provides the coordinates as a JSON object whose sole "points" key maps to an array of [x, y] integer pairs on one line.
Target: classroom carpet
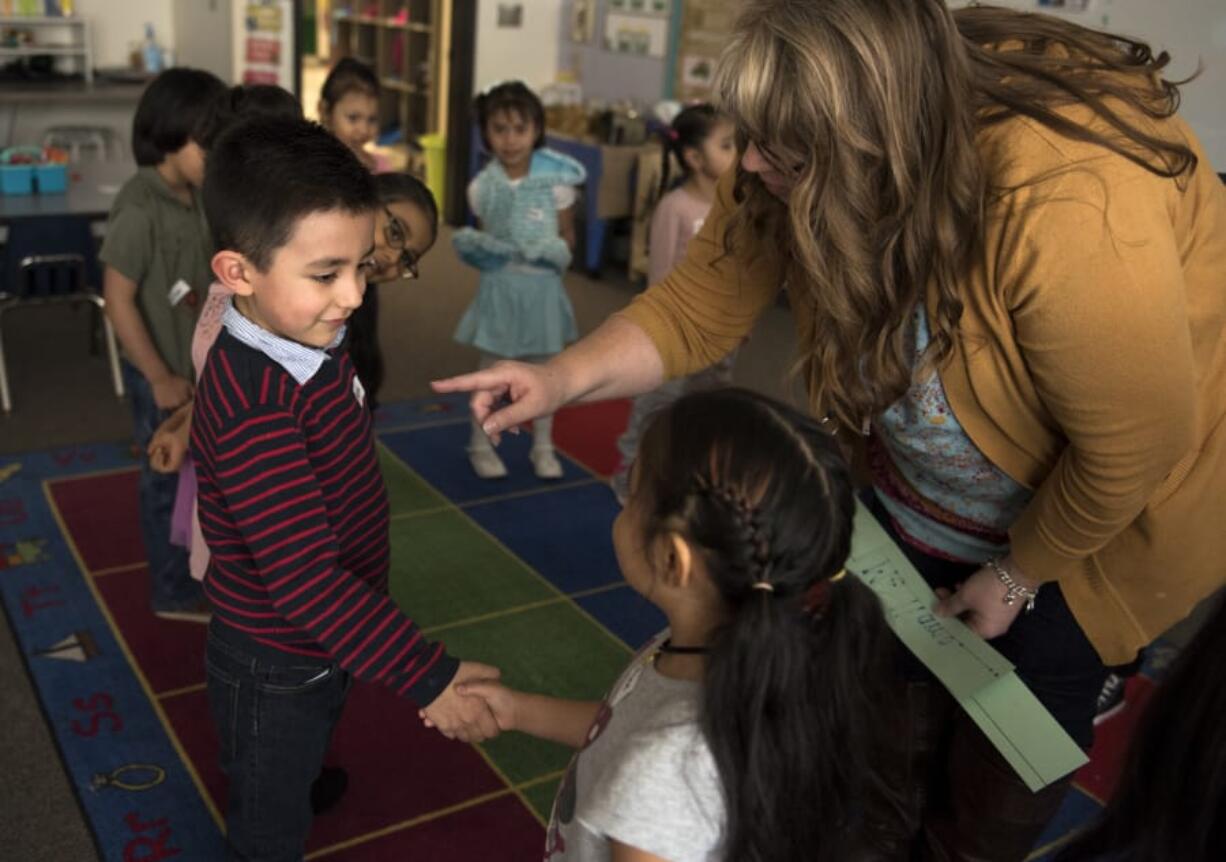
{"points": [[518, 573]]}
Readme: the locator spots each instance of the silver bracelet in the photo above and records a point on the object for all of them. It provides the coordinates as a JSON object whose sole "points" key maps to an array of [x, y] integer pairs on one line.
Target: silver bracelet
{"points": [[1013, 590]]}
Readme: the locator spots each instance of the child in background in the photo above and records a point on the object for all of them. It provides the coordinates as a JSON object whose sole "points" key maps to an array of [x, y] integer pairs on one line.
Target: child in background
{"points": [[704, 144], [750, 729], [168, 446], [292, 501], [156, 254], [405, 229], [524, 203], [349, 109]]}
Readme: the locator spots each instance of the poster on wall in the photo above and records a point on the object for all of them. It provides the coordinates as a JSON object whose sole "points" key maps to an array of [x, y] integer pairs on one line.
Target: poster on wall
{"points": [[264, 30], [705, 25], [583, 21], [697, 71], [645, 36]]}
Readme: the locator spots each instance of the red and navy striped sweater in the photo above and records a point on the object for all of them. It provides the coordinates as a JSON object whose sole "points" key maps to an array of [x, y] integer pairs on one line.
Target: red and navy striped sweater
{"points": [[295, 514]]}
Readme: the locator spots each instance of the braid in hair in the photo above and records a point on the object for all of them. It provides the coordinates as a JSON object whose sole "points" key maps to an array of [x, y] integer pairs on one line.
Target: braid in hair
{"points": [[794, 691]]}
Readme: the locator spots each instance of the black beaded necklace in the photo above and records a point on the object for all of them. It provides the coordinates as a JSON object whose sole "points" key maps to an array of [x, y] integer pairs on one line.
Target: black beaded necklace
{"points": [[668, 648]]}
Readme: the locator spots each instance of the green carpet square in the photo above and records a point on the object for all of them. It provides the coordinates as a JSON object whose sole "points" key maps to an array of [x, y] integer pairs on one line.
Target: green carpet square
{"points": [[444, 569], [405, 491], [552, 650]]}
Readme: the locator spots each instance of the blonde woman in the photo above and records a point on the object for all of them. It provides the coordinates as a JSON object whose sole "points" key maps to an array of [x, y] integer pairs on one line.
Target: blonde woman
{"points": [[1006, 256]]}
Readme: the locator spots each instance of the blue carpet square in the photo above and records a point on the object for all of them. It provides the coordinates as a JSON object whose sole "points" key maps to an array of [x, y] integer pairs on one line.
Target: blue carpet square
{"points": [[422, 411], [565, 535], [625, 613], [1075, 812], [439, 455]]}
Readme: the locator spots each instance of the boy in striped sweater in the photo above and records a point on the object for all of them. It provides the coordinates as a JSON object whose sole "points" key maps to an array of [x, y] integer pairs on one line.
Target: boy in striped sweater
{"points": [[291, 500]]}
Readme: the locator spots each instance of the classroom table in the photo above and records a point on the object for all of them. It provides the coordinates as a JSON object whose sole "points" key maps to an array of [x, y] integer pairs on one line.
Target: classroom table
{"points": [[92, 186]]}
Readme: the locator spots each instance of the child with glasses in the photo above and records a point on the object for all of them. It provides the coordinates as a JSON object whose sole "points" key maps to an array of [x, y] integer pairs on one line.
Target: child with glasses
{"points": [[405, 229]]}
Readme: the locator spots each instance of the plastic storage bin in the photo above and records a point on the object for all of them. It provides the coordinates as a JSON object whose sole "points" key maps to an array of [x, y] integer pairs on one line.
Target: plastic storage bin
{"points": [[52, 179], [17, 179], [435, 147]]}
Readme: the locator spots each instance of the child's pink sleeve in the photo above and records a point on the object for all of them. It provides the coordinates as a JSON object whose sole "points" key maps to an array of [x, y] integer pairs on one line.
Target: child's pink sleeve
{"points": [[208, 324], [662, 253]]}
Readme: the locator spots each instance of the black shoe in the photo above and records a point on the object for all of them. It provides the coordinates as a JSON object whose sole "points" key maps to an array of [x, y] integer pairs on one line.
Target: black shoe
{"points": [[328, 788], [1111, 698]]}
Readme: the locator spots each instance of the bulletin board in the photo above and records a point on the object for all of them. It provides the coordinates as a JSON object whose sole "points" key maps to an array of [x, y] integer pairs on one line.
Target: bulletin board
{"points": [[264, 40], [704, 29]]}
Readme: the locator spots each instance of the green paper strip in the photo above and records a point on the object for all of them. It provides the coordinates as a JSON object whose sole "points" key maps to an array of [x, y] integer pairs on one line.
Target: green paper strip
{"points": [[980, 679]]}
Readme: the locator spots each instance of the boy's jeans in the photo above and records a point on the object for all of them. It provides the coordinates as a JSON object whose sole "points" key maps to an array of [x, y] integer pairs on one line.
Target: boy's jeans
{"points": [[274, 713], [170, 580]]}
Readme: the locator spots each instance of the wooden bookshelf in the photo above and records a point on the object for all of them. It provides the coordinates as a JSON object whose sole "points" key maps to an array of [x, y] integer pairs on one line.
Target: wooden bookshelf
{"points": [[406, 43]]}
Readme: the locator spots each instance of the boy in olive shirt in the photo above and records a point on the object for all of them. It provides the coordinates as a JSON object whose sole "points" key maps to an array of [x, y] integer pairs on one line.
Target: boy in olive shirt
{"points": [[157, 254]]}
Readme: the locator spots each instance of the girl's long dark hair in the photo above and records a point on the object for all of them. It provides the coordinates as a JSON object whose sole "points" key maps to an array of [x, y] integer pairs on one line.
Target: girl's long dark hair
{"points": [[797, 679], [688, 131], [1170, 803]]}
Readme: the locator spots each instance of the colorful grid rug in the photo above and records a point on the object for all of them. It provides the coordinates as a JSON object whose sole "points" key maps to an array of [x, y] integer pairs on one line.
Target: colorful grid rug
{"points": [[517, 573]]}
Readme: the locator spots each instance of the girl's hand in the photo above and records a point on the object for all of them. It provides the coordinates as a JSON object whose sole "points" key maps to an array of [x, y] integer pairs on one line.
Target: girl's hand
{"points": [[499, 699], [980, 602], [532, 390]]}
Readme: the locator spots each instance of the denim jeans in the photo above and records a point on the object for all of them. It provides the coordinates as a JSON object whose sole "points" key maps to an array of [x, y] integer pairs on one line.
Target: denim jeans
{"points": [[171, 584], [274, 713]]}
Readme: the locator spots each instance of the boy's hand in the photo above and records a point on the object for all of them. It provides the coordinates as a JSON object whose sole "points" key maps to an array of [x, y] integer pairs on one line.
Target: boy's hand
{"points": [[499, 699], [467, 719], [167, 449], [171, 392]]}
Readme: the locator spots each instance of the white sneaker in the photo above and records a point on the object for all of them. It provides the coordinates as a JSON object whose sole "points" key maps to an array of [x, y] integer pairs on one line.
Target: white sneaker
{"points": [[487, 464], [546, 464]]}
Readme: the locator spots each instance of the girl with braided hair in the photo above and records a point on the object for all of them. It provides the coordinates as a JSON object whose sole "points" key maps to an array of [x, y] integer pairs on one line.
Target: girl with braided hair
{"points": [[749, 729]]}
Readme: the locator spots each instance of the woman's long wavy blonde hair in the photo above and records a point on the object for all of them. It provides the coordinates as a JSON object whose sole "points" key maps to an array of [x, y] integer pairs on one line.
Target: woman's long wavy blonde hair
{"points": [[885, 99]]}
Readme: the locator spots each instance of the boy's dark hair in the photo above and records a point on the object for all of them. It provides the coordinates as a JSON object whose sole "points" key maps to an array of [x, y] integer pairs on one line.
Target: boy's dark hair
{"points": [[1171, 795], [264, 100], [395, 187], [245, 101], [266, 173], [348, 76], [689, 130], [795, 693], [177, 106], [513, 97]]}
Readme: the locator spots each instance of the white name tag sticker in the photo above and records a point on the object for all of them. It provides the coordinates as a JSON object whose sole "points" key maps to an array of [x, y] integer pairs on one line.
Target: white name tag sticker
{"points": [[359, 391], [179, 291], [536, 214]]}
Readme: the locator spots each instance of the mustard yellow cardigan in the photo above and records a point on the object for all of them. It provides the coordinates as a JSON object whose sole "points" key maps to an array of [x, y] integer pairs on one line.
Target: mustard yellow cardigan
{"points": [[1090, 366]]}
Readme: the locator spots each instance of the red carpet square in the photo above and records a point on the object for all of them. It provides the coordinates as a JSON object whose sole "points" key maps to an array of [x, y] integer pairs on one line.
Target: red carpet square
{"points": [[101, 515], [398, 770], [588, 433], [170, 653], [1111, 739], [462, 835]]}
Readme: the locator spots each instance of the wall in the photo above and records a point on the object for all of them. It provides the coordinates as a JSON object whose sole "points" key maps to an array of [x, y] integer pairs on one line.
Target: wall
{"points": [[606, 75], [203, 37], [1188, 29], [528, 53], [116, 24]]}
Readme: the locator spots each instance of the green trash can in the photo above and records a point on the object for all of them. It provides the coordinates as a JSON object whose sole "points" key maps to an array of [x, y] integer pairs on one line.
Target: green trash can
{"points": [[435, 147]]}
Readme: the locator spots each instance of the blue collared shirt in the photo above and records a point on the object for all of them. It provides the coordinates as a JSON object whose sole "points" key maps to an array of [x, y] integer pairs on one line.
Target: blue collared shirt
{"points": [[302, 362]]}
